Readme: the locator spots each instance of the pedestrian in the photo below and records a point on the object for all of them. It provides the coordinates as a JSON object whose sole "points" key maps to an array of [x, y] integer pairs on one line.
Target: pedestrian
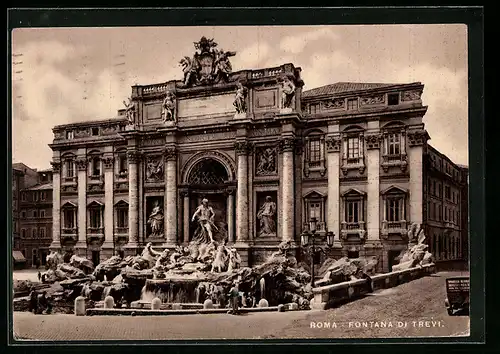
{"points": [[234, 295], [39, 276], [33, 307]]}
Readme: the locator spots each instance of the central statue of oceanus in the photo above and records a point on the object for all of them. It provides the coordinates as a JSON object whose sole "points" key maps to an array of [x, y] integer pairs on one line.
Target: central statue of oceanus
{"points": [[204, 215]]}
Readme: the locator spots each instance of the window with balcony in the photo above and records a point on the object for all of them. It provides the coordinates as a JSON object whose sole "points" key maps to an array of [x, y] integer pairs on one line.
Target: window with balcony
{"points": [[69, 218], [395, 199], [353, 149], [394, 148], [314, 205], [122, 165], [69, 170], [353, 205], [352, 104], [95, 166], [315, 153], [121, 212], [95, 215]]}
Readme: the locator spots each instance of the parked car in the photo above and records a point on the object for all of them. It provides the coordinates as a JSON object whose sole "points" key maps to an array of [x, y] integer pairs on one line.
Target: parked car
{"points": [[457, 295]]}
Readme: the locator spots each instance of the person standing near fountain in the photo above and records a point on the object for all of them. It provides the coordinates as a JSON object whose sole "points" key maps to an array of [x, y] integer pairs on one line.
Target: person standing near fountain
{"points": [[234, 295], [205, 216]]}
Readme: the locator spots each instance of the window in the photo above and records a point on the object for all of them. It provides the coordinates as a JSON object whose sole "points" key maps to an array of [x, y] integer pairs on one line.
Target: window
{"points": [[95, 131], [70, 169], [314, 210], [35, 195], [35, 213], [440, 190], [440, 213], [314, 108], [122, 217], [96, 166], [23, 214], [34, 232], [353, 211], [23, 196], [395, 209], [42, 213], [314, 150], [447, 192], [393, 144], [43, 196], [445, 213], [69, 134], [69, 218], [95, 216], [393, 99], [352, 148], [434, 188], [122, 168], [352, 104], [42, 232], [23, 233], [433, 210]]}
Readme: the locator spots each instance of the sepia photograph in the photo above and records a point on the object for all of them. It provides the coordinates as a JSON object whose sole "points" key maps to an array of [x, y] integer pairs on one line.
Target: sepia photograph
{"points": [[240, 182]]}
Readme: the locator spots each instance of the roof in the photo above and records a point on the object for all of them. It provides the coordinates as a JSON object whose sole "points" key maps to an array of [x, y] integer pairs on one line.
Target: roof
{"points": [[39, 187], [45, 170], [18, 256], [341, 87]]}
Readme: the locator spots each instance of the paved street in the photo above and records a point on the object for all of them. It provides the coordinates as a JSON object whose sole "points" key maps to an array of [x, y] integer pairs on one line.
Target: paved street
{"points": [[27, 274], [417, 306]]}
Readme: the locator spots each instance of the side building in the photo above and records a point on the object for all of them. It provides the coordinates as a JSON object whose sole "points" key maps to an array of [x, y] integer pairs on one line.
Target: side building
{"points": [[446, 202], [266, 155], [35, 219]]}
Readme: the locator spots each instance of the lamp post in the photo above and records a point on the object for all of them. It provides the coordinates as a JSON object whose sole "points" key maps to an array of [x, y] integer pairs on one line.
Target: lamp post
{"points": [[307, 241]]}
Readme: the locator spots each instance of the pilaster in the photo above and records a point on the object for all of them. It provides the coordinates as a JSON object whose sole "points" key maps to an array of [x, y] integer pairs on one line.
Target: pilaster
{"points": [[416, 141], [171, 195], [133, 157], [242, 149], [333, 167], [81, 164], [373, 187], [108, 162], [287, 148], [56, 206]]}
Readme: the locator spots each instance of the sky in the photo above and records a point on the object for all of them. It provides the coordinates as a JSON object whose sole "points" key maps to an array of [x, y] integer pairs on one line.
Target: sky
{"points": [[67, 75]]}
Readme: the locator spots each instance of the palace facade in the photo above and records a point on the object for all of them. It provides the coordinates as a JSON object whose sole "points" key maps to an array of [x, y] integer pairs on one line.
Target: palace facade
{"points": [[349, 154]]}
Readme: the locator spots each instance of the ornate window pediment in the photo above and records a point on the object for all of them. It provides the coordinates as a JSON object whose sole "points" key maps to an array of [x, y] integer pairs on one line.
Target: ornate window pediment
{"points": [[353, 147]]}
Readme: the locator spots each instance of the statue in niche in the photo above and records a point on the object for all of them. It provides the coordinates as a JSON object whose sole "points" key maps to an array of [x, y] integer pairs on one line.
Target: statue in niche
{"points": [[129, 111], [156, 220], [154, 169], [267, 162], [204, 215], [240, 98], [168, 108], [266, 217], [222, 65], [288, 92]]}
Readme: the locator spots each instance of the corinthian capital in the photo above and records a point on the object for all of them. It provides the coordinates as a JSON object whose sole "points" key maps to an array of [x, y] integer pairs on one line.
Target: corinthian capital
{"points": [[373, 141], [333, 143], [417, 137], [133, 156], [108, 162], [243, 147], [288, 144], [171, 153], [81, 163], [56, 166]]}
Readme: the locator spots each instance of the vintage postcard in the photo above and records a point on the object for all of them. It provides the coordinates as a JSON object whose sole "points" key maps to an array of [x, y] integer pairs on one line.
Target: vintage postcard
{"points": [[240, 182]]}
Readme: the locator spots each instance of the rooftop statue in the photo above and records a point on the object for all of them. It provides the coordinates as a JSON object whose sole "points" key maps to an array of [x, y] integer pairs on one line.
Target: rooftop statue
{"points": [[208, 65]]}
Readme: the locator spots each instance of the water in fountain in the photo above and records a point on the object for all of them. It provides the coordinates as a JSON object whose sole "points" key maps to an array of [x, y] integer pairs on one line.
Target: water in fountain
{"points": [[170, 290]]}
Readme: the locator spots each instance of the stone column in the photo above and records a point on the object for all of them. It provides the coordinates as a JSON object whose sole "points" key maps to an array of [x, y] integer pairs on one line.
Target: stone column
{"points": [[81, 164], [108, 162], [373, 186], [416, 140], [333, 167], [242, 149], [133, 200], [230, 216], [171, 195], [185, 216], [287, 188], [56, 206]]}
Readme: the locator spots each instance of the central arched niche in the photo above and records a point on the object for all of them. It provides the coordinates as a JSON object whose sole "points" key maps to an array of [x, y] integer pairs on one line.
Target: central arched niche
{"points": [[208, 172]]}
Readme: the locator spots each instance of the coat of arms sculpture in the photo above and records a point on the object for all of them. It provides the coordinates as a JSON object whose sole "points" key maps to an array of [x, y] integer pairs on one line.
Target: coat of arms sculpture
{"points": [[208, 65]]}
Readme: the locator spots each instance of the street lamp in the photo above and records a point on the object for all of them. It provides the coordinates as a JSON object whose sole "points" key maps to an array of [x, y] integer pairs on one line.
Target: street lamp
{"points": [[307, 240]]}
